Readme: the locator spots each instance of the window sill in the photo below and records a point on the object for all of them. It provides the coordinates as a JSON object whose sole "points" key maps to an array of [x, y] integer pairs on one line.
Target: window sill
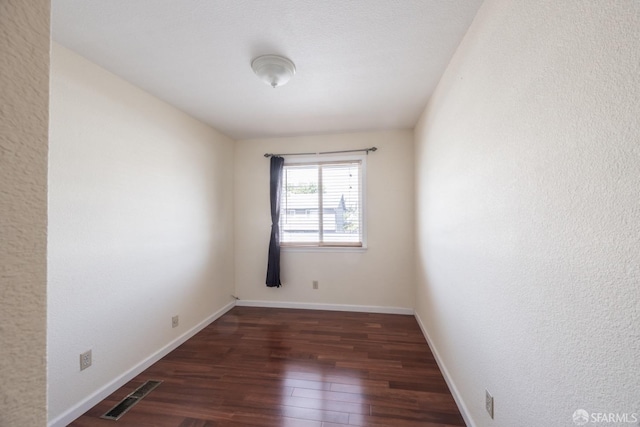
{"points": [[323, 248]]}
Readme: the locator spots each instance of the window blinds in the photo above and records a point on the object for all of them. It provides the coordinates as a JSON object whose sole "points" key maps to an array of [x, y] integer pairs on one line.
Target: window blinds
{"points": [[321, 204]]}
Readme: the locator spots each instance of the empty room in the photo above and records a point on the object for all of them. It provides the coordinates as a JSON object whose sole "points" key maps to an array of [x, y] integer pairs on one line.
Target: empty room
{"points": [[320, 213]]}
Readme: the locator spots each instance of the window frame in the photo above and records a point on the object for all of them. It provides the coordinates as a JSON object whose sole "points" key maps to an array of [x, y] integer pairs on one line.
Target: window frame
{"points": [[332, 159]]}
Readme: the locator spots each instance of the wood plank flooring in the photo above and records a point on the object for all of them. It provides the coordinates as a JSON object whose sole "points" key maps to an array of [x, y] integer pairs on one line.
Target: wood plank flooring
{"points": [[265, 367]]}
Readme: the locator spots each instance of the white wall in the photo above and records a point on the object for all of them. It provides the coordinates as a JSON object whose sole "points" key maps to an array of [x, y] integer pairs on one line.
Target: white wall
{"points": [[140, 226], [24, 122], [528, 212], [383, 275]]}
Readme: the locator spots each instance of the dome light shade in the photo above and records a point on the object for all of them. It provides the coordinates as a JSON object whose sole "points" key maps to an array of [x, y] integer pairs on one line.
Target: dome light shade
{"points": [[274, 70]]}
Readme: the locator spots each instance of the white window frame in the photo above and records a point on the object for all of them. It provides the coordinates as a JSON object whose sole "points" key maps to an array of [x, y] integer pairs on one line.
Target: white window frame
{"points": [[326, 158]]}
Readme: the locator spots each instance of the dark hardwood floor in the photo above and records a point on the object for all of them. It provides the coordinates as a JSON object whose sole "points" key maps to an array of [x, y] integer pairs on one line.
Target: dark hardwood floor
{"points": [[304, 368]]}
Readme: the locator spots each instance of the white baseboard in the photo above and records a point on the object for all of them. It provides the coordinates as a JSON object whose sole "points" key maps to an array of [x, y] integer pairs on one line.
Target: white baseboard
{"points": [[330, 307], [83, 406], [464, 411]]}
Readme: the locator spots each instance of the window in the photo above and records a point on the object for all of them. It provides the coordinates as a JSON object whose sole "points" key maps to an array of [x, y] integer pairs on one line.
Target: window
{"points": [[322, 204]]}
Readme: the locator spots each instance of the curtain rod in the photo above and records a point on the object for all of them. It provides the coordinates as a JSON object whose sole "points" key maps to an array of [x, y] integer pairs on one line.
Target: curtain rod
{"points": [[366, 150]]}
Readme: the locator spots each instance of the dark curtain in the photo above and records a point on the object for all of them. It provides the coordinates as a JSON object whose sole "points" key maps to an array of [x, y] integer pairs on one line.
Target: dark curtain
{"points": [[273, 265]]}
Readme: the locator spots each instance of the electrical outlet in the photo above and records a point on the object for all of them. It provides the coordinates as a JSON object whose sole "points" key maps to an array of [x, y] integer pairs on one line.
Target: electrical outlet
{"points": [[85, 360], [488, 403], [175, 321], [315, 284]]}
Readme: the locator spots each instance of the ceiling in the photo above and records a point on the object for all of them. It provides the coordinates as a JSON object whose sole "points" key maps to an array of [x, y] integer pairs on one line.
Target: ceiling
{"points": [[361, 64]]}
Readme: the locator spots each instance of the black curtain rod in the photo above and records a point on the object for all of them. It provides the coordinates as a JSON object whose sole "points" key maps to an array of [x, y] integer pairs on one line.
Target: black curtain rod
{"points": [[366, 150]]}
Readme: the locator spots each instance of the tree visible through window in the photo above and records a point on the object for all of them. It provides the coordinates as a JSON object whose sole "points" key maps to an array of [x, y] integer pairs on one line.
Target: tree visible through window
{"points": [[322, 204]]}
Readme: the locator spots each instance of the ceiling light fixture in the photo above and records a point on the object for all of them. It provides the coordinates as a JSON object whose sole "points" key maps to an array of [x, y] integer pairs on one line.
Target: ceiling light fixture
{"points": [[274, 70]]}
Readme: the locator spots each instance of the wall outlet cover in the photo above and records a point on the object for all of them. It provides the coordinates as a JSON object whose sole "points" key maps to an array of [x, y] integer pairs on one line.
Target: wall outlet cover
{"points": [[85, 360], [489, 403]]}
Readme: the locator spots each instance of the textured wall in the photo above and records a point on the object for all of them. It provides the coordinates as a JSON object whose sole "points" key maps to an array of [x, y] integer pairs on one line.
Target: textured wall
{"points": [[24, 121], [140, 226], [380, 276], [528, 212]]}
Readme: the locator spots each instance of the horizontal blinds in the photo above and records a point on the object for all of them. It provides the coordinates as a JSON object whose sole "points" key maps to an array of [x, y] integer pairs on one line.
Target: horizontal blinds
{"points": [[321, 204]]}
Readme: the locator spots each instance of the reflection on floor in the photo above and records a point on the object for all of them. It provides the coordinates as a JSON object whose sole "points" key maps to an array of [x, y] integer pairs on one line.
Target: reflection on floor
{"points": [[304, 368]]}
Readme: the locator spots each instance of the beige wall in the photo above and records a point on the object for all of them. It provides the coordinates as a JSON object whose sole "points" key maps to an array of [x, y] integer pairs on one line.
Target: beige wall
{"points": [[24, 121], [381, 276], [140, 226], [528, 214]]}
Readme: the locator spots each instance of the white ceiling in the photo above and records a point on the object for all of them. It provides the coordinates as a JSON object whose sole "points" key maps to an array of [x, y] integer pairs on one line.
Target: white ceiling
{"points": [[361, 64]]}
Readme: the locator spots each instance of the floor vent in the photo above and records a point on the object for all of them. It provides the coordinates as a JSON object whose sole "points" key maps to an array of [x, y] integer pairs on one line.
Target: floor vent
{"points": [[129, 402]]}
